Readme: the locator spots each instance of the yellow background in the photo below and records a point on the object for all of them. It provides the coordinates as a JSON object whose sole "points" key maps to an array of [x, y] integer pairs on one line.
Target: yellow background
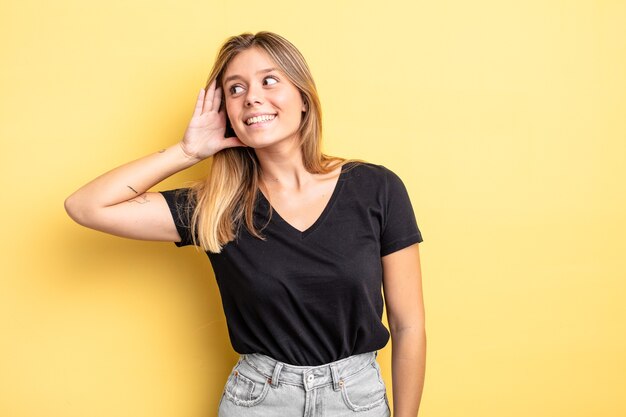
{"points": [[506, 121]]}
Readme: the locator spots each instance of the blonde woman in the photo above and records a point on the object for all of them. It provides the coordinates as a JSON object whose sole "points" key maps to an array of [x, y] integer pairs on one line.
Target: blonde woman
{"points": [[300, 243]]}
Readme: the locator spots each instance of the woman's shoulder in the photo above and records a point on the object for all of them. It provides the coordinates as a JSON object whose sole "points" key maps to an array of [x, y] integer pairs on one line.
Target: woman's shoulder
{"points": [[181, 201], [373, 179], [183, 195], [368, 170]]}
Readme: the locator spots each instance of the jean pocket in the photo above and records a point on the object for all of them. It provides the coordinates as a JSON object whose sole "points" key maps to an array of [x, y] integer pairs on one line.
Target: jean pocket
{"points": [[365, 389], [245, 386]]}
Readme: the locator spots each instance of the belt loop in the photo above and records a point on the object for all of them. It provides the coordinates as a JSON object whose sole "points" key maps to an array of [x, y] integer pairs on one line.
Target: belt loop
{"points": [[335, 375], [276, 374]]}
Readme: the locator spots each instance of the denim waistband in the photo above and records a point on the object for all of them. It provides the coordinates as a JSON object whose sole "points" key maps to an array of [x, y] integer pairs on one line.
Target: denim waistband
{"points": [[309, 377]]}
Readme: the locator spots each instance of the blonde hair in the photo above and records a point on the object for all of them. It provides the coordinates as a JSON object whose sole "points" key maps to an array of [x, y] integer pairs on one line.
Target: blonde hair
{"points": [[225, 200]]}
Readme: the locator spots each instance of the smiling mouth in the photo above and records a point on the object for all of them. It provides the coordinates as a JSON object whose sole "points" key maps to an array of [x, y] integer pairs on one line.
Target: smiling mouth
{"points": [[260, 119]]}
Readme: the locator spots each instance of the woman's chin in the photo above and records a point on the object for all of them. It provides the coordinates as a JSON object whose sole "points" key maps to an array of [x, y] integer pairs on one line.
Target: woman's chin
{"points": [[269, 143]]}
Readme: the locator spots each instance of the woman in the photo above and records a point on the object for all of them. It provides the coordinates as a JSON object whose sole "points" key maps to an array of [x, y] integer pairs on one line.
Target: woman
{"points": [[300, 242]]}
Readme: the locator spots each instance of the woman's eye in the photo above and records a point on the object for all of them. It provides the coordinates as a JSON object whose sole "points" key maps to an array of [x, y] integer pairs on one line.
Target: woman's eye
{"points": [[235, 89], [269, 81]]}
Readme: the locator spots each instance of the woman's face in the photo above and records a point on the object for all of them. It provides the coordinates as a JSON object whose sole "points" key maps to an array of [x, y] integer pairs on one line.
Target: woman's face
{"points": [[263, 106]]}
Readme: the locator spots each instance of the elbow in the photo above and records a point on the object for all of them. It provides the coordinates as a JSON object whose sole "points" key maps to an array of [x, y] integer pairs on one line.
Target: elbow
{"points": [[414, 336], [416, 329], [71, 208], [76, 210], [414, 324]]}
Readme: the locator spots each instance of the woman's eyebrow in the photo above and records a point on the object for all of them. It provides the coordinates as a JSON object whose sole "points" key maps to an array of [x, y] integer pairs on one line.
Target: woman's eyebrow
{"points": [[239, 77]]}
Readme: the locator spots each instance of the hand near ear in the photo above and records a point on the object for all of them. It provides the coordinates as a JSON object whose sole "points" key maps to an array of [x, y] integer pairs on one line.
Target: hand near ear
{"points": [[204, 136]]}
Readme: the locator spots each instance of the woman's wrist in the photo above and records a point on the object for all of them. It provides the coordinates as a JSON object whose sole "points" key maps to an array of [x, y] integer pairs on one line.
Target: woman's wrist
{"points": [[189, 157]]}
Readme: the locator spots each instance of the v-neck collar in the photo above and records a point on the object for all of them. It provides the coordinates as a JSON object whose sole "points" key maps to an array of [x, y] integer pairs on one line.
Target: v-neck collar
{"points": [[278, 219]]}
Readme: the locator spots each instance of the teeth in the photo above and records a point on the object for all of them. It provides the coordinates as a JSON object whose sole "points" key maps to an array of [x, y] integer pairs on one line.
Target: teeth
{"points": [[258, 119]]}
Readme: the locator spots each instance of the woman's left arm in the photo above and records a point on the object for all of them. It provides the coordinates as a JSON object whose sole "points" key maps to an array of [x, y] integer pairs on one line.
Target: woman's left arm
{"points": [[402, 284]]}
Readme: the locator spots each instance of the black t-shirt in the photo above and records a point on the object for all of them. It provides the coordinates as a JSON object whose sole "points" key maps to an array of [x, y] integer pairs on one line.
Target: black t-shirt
{"points": [[313, 297]]}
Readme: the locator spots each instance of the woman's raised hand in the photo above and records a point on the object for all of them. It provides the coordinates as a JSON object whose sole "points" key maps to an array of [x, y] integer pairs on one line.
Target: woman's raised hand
{"points": [[118, 201], [204, 136]]}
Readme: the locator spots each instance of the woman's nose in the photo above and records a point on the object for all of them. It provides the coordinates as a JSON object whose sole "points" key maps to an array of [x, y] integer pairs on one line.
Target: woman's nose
{"points": [[252, 100], [253, 97]]}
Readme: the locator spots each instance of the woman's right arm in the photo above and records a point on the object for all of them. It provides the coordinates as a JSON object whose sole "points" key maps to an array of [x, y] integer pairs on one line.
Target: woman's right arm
{"points": [[118, 203]]}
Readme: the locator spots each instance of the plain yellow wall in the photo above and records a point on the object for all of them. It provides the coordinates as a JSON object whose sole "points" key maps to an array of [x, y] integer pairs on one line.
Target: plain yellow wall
{"points": [[506, 121]]}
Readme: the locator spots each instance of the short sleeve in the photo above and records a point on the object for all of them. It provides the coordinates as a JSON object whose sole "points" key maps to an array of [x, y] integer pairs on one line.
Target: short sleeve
{"points": [[400, 228], [181, 207]]}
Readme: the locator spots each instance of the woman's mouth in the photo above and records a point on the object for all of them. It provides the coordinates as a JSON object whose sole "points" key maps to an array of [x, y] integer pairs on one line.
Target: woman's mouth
{"points": [[260, 119]]}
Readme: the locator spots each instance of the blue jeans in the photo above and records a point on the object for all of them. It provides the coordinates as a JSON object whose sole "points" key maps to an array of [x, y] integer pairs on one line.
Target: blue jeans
{"points": [[260, 386]]}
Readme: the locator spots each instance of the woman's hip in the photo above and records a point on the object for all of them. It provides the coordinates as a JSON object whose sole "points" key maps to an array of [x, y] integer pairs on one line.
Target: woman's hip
{"points": [[261, 386]]}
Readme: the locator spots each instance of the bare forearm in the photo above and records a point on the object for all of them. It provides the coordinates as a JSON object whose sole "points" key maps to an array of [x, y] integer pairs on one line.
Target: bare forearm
{"points": [[128, 181], [408, 360]]}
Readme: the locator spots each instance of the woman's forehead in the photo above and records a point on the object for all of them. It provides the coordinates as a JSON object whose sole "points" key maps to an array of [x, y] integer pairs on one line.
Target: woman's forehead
{"points": [[249, 62]]}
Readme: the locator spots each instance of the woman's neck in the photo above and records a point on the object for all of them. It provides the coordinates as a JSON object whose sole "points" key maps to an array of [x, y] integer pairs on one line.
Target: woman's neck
{"points": [[283, 167]]}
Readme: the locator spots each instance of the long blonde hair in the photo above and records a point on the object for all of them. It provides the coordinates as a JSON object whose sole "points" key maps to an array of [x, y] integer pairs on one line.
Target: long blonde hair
{"points": [[225, 200]]}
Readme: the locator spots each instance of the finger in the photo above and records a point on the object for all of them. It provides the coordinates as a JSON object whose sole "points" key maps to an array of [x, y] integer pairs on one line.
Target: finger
{"points": [[208, 99], [217, 99], [199, 103]]}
